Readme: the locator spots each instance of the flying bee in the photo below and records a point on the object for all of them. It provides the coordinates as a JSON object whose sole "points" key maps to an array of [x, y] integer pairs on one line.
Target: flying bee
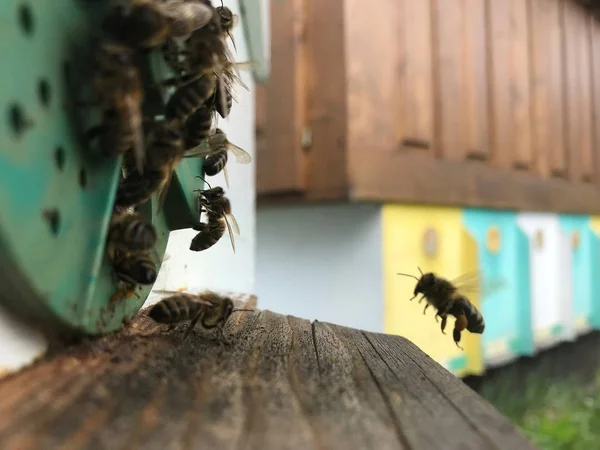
{"points": [[228, 21], [147, 24], [117, 88], [129, 233], [219, 218], [216, 155], [210, 309], [133, 269], [444, 295], [165, 150]]}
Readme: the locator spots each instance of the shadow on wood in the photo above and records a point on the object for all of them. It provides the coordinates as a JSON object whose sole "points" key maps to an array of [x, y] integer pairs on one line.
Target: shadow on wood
{"points": [[283, 383]]}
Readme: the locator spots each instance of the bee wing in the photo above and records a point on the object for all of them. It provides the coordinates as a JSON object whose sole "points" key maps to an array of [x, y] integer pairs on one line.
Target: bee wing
{"points": [[226, 176], [162, 194], [241, 155], [234, 224], [471, 283], [223, 96], [199, 13], [198, 152], [231, 238]]}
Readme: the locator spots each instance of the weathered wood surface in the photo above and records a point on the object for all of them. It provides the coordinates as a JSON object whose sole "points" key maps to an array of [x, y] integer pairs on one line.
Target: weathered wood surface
{"points": [[283, 383]]}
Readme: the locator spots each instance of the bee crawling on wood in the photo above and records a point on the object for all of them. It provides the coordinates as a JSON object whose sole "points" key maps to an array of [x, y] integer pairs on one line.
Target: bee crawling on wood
{"points": [[217, 207], [210, 309], [444, 295]]}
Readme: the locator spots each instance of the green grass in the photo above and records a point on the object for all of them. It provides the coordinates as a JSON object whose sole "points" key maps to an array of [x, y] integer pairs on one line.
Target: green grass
{"points": [[560, 415]]}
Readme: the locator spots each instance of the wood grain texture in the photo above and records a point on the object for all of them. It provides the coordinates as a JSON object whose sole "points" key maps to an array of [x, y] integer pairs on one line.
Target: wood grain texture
{"points": [[547, 88], [283, 384], [578, 93], [280, 164]]}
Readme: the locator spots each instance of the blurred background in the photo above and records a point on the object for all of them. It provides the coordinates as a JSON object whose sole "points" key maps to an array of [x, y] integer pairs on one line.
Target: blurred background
{"points": [[451, 136]]}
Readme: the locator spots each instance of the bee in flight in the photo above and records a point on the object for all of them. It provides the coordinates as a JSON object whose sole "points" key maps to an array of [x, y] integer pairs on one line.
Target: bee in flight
{"points": [[210, 309], [216, 155], [445, 296]]}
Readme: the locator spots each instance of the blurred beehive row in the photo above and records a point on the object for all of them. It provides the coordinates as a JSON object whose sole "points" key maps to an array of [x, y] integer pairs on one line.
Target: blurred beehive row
{"points": [[490, 108], [539, 283], [467, 102]]}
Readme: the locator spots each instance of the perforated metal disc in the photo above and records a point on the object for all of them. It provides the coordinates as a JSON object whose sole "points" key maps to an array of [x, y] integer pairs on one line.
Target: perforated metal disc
{"points": [[56, 198]]}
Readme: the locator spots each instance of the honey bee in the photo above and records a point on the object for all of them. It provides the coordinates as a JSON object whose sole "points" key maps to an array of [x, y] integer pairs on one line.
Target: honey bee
{"points": [[191, 95], [198, 127], [118, 90], [147, 24], [133, 269], [129, 233], [216, 155], [210, 309], [165, 150], [218, 212], [228, 21], [444, 295]]}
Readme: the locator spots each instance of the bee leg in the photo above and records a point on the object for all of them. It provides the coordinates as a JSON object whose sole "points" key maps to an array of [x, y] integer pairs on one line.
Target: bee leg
{"points": [[444, 320], [456, 336], [192, 325], [426, 306]]}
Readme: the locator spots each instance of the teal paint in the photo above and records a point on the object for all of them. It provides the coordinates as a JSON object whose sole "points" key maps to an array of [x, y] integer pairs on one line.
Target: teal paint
{"points": [[455, 365], [63, 278], [585, 268], [507, 311], [557, 330]]}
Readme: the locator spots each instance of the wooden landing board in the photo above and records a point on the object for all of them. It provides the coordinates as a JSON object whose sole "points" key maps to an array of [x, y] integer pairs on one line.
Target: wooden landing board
{"points": [[283, 384]]}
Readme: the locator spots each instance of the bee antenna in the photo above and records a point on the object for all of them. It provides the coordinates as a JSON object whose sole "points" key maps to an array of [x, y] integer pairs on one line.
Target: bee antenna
{"points": [[408, 275], [420, 271], [205, 182], [222, 4]]}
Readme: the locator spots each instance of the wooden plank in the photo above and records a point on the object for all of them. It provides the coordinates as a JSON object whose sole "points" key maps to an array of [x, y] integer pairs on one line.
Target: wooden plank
{"points": [[498, 21], [547, 88], [327, 101], [281, 163], [416, 126], [416, 178], [577, 93], [475, 72], [283, 384], [450, 80], [586, 96], [596, 96], [520, 101]]}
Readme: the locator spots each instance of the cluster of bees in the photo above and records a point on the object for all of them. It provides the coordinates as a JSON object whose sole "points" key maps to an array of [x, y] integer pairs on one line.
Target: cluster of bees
{"points": [[446, 298], [192, 38]]}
